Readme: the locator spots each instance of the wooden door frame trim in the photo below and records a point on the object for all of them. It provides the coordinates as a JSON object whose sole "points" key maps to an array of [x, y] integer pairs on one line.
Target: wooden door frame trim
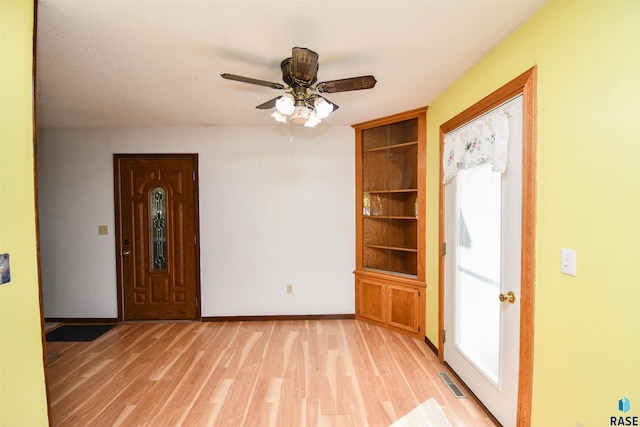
{"points": [[525, 84], [118, 221]]}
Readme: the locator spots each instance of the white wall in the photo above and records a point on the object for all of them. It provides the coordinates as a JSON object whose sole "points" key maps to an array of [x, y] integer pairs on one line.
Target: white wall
{"points": [[272, 212]]}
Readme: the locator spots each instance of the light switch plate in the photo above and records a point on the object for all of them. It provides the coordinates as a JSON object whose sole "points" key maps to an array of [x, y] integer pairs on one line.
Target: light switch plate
{"points": [[103, 230], [5, 271], [568, 262]]}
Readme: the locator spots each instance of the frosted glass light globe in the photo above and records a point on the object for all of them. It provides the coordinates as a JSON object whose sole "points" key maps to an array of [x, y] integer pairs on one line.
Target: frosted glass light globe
{"points": [[323, 108], [279, 117], [312, 121], [285, 104]]}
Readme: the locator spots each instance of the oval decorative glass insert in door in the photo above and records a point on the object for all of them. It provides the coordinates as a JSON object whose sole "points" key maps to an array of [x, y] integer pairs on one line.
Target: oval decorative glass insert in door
{"points": [[158, 205]]}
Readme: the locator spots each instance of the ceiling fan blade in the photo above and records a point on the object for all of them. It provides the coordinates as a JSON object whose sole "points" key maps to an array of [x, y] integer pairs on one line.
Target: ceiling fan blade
{"points": [[344, 85], [304, 65], [252, 81], [269, 104]]}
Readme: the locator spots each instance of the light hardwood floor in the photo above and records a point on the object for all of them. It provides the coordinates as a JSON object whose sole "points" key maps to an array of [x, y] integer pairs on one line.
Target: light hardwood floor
{"points": [[260, 373]]}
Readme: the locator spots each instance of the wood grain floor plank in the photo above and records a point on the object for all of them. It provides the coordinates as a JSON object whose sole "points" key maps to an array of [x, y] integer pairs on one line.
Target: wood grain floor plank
{"points": [[261, 373]]}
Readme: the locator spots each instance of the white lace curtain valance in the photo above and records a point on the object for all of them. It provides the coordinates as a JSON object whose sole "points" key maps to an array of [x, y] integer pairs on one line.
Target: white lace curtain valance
{"points": [[481, 141]]}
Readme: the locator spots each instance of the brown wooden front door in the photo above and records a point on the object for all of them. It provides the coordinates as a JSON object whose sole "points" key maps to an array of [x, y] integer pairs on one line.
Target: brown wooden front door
{"points": [[157, 236]]}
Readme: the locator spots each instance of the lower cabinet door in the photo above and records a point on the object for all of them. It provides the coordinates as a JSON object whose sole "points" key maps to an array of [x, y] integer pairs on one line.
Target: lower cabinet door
{"points": [[391, 304], [403, 305], [371, 299]]}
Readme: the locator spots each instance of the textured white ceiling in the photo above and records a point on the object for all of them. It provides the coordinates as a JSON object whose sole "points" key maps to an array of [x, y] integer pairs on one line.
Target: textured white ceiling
{"points": [[115, 63]]}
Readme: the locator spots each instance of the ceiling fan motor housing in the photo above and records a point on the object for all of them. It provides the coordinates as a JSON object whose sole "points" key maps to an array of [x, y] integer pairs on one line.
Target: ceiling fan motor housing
{"points": [[289, 78]]}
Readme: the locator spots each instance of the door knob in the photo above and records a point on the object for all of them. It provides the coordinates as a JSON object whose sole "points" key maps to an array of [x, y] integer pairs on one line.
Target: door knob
{"points": [[125, 253], [510, 297]]}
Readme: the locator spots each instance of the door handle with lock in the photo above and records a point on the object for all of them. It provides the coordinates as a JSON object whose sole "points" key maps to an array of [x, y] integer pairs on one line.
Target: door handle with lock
{"points": [[125, 253], [510, 297]]}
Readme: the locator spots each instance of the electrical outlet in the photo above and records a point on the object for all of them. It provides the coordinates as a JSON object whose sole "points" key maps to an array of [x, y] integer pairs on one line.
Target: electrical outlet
{"points": [[289, 288]]}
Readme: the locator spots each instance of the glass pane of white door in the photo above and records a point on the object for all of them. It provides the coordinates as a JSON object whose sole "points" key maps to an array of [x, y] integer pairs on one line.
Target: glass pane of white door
{"points": [[477, 271]]}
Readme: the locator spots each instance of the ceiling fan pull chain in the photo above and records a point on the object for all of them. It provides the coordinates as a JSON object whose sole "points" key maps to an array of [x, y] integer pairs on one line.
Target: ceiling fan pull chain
{"points": [[290, 132]]}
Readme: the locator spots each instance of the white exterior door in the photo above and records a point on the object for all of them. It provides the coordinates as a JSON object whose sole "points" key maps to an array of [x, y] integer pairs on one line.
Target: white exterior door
{"points": [[483, 227]]}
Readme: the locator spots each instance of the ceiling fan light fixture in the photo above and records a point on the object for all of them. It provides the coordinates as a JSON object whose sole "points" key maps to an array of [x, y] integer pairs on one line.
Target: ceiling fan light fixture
{"points": [[313, 120], [306, 114], [300, 114], [279, 117], [323, 108], [285, 104]]}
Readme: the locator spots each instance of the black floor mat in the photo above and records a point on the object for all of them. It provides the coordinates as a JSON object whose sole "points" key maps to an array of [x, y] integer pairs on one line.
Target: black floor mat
{"points": [[78, 332]]}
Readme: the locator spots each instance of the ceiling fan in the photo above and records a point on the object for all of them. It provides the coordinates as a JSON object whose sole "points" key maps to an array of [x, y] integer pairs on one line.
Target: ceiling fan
{"points": [[302, 101]]}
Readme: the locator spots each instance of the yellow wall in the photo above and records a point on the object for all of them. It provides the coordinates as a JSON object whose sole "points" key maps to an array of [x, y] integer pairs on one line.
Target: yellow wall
{"points": [[587, 328], [22, 390]]}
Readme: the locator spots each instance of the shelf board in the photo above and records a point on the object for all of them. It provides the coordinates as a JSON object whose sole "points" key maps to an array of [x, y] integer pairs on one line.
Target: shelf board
{"points": [[389, 217], [392, 248], [392, 273], [405, 190], [404, 145]]}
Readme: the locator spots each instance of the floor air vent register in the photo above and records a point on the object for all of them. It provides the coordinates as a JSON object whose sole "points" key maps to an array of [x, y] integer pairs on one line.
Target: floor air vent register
{"points": [[452, 386]]}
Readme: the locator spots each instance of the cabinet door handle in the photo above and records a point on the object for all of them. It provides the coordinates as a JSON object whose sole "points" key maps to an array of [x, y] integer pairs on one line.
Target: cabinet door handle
{"points": [[382, 289]]}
